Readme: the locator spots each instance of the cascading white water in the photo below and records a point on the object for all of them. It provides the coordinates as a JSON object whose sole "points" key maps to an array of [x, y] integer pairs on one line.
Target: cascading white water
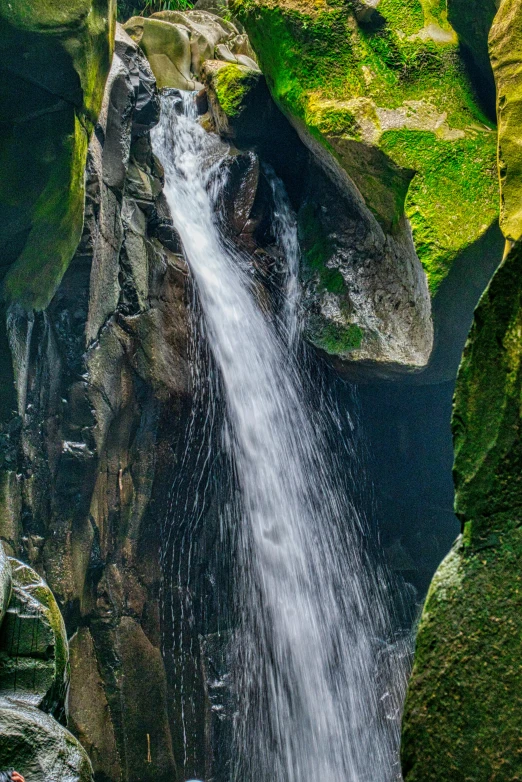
{"points": [[312, 613]]}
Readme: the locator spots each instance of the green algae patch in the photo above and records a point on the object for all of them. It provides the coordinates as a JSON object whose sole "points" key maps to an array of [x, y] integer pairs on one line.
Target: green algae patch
{"points": [[233, 84], [373, 93], [462, 712], [317, 250], [57, 222]]}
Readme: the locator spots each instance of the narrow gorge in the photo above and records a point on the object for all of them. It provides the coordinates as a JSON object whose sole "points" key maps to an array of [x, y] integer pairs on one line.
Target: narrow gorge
{"points": [[260, 263]]}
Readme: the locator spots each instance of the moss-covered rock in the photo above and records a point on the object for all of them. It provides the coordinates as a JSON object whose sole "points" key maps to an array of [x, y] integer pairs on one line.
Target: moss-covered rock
{"points": [[34, 655], [54, 59], [472, 23], [232, 84], [506, 55], [388, 99], [237, 98], [462, 717], [486, 421]]}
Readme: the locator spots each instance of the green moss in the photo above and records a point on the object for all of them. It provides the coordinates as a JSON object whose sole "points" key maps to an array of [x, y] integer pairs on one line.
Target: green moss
{"points": [[486, 420], [462, 717], [462, 714], [338, 340], [232, 84], [452, 178], [473, 22], [55, 59], [334, 77], [506, 52], [57, 221]]}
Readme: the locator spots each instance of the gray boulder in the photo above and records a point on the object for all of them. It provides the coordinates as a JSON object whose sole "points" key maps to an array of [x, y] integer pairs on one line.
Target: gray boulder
{"points": [[39, 747]]}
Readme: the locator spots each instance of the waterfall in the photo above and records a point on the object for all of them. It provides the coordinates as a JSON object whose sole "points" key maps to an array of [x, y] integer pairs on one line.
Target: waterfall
{"points": [[312, 615]]}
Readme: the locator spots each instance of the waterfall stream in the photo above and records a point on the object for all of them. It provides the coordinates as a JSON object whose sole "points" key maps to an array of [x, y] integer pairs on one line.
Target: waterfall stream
{"points": [[312, 616]]}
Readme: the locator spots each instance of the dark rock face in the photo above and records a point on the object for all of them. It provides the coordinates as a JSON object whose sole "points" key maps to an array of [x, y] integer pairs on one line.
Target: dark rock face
{"points": [[86, 458]]}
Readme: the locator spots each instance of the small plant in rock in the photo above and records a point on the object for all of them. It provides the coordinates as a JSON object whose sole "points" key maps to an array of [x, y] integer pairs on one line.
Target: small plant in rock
{"points": [[128, 8]]}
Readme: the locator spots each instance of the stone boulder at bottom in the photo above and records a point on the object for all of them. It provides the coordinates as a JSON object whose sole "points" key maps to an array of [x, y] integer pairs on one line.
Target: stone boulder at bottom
{"points": [[34, 655], [38, 747]]}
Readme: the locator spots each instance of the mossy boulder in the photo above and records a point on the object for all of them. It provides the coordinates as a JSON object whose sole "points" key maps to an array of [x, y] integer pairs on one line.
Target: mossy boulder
{"points": [[385, 96], [506, 55], [463, 711], [237, 98], [34, 654], [39, 747], [54, 59]]}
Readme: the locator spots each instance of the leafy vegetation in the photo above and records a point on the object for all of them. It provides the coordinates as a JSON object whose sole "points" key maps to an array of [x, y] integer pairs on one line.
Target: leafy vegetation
{"points": [[128, 8]]}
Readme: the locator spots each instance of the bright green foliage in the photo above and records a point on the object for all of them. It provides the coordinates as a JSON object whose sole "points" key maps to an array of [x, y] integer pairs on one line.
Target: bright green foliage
{"points": [[375, 94], [232, 84], [128, 8]]}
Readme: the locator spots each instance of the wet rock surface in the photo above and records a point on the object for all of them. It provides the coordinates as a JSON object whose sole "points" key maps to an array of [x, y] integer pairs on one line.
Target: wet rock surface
{"points": [[34, 676], [34, 655], [39, 747], [100, 371]]}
